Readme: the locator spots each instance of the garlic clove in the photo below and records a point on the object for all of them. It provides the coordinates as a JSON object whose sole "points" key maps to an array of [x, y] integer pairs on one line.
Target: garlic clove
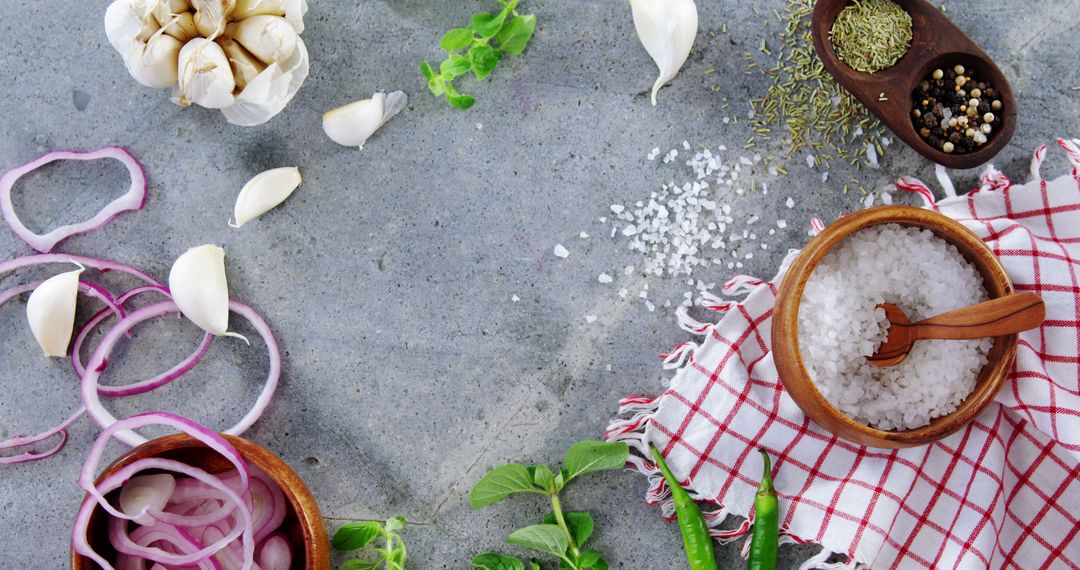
{"points": [[211, 16], [271, 91], [264, 192], [51, 312], [245, 67], [199, 288], [155, 64], [247, 8], [128, 23], [667, 29], [269, 38], [205, 76], [181, 26], [352, 124], [294, 13]]}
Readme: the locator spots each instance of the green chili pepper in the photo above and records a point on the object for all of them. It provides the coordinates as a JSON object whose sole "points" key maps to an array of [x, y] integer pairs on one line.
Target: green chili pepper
{"points": [[695, 533], [765, 543]]}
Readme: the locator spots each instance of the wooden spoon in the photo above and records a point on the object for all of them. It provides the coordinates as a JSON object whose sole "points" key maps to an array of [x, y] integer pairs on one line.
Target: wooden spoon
{"points": [[1005, 315]]}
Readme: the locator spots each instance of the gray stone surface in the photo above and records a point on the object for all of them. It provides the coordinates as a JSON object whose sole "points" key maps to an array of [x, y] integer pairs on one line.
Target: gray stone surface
{"points": [[388, 277]]}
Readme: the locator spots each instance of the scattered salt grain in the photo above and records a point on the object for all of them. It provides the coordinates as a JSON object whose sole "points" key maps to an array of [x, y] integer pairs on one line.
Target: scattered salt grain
{"points": [[561, 251], [583, 235], [604, 278], [590, 319], [623, 292], [790, 203], [811, 161], [780, 224], [515, 298]]}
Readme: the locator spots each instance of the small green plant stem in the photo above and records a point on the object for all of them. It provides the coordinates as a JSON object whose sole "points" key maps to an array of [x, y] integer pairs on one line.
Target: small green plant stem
{"points": [[556, 507], [389, 550]]}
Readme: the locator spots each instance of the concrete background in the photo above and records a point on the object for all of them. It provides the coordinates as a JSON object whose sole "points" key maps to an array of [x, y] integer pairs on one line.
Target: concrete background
{"points": [[388, 277]]}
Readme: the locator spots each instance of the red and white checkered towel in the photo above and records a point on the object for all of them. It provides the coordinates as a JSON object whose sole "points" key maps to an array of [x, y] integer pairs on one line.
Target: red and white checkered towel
{"points": [[1002, 493]]}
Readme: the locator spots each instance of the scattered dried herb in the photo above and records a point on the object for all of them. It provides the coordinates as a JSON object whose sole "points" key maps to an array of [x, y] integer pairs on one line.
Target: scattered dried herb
{"points": [[871, 35]]}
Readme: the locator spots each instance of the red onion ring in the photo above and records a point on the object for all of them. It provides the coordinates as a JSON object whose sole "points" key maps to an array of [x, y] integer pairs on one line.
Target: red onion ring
{"points": [[134, 199], [140, 539], [102, 265], [105, 419]]}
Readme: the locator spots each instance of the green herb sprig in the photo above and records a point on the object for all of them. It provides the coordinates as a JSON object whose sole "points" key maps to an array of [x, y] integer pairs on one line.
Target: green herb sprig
{"points": [[358, 536], [562, 535], [478, 48]]}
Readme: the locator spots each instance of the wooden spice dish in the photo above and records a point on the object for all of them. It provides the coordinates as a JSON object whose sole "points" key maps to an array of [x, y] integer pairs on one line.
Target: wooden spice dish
{"points": [[936, 43], [785, 329], [303, 525]]}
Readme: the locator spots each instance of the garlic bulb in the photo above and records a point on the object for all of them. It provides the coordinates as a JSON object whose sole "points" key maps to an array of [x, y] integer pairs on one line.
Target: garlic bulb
{"points": [[205, 75], [352, 124], [263, 192], [667, 29], [269, 38], [51, 312], [199, 288], [211, 55]]}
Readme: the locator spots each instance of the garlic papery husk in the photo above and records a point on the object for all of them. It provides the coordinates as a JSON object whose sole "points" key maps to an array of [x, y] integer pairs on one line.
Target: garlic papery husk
{"points": [[211, 16], [129, 21], [245, 67], [205, 76], [263, 192], [667, 29], [181, 26], [154, 65], [352, 124], [269, 38], [51, 312], [271, 91], [199, 288], [248, 8], [149, 56]]}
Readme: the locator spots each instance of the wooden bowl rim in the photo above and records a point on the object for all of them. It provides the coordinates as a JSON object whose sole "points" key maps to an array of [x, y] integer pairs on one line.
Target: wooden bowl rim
{"points": [[785, 329], [901, 79], [299, 496]]}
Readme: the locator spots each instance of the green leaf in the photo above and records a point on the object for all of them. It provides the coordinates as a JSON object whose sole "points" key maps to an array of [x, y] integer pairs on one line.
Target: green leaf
{"points": [[515, 35], [581, 525], [429, 73], [543, 478], [395, 524], [600, 565], [495, 561], [486, 24], [534, 564], [547, 538], [592, 456], [458, 38], [397, 556], [454, 66], [357, 564], [484, 60], [588, 559], [355, 536], [463, 102], [437, 86], [560, 480], [507, 480]]}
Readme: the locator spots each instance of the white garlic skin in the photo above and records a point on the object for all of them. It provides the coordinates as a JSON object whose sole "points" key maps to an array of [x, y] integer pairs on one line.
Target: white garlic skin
{"points": [[248, 8], [199, 288], [667, 29], [211, 16], [353, 124], [155, 65], [269, 38], [181, 26], [50, 312], [205, 76], [264, 192]]}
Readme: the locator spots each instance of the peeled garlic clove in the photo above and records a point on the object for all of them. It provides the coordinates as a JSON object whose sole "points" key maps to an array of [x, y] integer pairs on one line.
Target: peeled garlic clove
{"points": [[155, 64], [269, 38], [352, 124], [199, 288], [51, 312], [212, 15], [247, 8], [263, 192], [181, 26], [667, 29], [205, 76], [245, 67]]}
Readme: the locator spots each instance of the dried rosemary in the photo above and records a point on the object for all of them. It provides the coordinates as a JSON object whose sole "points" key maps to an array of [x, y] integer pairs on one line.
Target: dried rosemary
{"points": [[871, 35]]}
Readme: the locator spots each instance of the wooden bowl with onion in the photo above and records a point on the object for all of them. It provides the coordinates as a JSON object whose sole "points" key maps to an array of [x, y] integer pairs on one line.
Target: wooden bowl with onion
{"points": [[785, 329], [303, 526], [936, 42]]}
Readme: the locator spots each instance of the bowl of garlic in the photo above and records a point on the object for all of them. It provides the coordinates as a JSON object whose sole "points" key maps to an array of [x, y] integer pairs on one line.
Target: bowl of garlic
{"points": [[244, 57]]}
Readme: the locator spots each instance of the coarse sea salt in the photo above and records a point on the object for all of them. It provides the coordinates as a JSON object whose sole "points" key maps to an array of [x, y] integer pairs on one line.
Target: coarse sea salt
{"points": [[840, 324], [561, 251]]}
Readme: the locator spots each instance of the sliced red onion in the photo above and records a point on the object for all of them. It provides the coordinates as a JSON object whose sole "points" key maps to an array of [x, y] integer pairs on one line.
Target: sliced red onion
{"points": [[275, 553], [102, 265], [105, 419], [80, 541], [146, 493], [134, 199], [142, 386], [144, 537], [128, 562]]}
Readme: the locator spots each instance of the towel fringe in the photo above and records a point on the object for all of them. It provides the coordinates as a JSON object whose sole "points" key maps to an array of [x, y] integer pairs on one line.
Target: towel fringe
{"points": [[993, 179], [1072, 149], [679, 356], [816, 226], [710, 301], [740, 285], [945, 181], [690, 324], [1036, 163], [820, 561], [915, 186]]}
